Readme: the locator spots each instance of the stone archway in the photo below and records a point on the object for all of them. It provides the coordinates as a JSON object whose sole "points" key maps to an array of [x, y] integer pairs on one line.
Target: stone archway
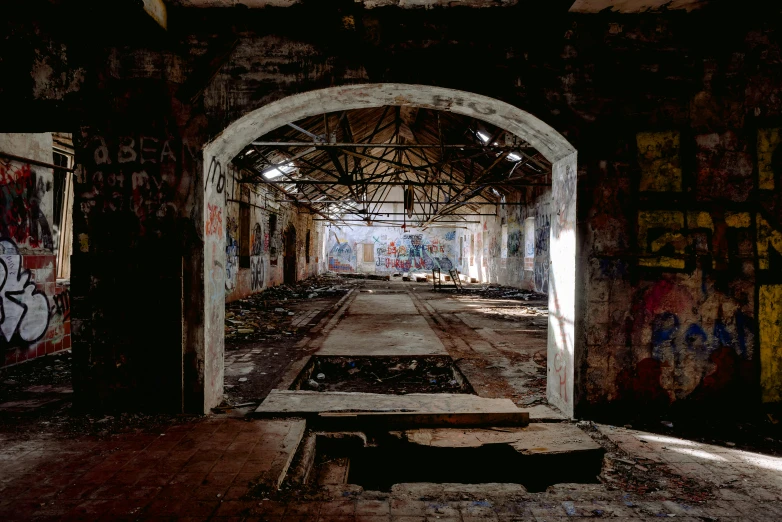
{"points": [[219, 152]]}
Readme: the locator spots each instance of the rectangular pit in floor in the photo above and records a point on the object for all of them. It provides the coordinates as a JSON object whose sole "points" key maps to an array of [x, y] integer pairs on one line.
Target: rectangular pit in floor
{"points": [[535, 457], [391, 375]]}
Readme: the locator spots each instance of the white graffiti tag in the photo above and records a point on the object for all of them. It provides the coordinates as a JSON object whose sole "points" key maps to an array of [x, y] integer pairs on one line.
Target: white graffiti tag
{"points": [[23, 308]]}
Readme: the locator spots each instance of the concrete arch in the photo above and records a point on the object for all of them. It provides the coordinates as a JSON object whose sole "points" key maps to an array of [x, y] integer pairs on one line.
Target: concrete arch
{"points": [[292, 108], [562, 155]]}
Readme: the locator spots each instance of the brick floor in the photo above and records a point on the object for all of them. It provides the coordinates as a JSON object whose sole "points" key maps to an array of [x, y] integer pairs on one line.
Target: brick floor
{"points": [[202, 471]]}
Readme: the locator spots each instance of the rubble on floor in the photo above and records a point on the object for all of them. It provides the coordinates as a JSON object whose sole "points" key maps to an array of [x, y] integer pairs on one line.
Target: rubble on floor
{"points": [[268, 314], [398, 375], [642, 476], [505, 292]]}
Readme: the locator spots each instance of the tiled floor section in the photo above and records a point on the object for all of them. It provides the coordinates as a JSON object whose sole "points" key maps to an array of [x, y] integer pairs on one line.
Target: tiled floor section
{"points": [[201, 470]]}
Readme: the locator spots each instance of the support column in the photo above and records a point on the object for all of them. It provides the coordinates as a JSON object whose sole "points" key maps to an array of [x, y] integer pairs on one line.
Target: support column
{"points": [[562, 287], [137, 278]]}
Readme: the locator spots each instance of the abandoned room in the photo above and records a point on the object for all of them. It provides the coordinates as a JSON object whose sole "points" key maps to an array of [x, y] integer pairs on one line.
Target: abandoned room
{"points": [[391, 260]]}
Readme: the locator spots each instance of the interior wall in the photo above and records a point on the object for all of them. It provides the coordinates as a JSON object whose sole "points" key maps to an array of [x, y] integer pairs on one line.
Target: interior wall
{"points": [[388, 250], [505, 251], [35, 317], [263, 254]]}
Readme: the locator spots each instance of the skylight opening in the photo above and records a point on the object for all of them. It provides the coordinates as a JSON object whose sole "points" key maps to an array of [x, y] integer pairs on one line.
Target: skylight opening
{"points": [[279, 171]]}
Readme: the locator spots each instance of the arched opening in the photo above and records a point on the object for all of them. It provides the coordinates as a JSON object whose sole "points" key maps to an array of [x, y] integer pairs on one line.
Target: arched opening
{"points": [[560, 277], [289, 259]]}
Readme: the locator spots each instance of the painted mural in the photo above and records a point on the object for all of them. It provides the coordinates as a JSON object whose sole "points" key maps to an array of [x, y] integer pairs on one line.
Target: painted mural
{"points": [[392, 250]]}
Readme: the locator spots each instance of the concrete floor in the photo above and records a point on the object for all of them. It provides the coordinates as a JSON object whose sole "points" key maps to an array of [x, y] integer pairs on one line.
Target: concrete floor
{"points": [[381, 324], [499, 344]]}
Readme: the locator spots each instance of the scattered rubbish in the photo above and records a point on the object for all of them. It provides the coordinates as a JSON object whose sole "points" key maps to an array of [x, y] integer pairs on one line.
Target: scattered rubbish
{"points": [[265, 315], [667, 424], [431, 374], [731, 444], [242, 379], [314, 385]]}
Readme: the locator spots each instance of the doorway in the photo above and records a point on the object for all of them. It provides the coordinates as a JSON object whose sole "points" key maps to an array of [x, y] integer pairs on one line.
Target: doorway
{"points": [[289, 256]]}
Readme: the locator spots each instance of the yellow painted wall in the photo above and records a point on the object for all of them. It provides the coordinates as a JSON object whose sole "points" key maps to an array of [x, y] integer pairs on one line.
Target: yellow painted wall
{"points": [[770, 323], [658, 157], [768, 141]]}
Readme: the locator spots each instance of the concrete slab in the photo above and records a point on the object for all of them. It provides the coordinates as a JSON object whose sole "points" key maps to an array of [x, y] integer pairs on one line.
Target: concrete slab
{"points": [[294, 430], [542, 413], [291, 402], [529, 440], [367, 335]]}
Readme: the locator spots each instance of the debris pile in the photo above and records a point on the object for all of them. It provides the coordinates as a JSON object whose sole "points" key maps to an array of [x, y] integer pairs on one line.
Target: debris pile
{"points": [[397, 375], [507, 292], [270, 314]]}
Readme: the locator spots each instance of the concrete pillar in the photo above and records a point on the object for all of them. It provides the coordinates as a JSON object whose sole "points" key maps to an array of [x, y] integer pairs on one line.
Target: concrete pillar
{"points": [[562, 287], [137, 277]]}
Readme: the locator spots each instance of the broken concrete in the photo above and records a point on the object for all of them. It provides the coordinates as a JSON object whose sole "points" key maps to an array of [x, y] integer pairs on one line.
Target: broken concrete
{"points": [[534, 439]]}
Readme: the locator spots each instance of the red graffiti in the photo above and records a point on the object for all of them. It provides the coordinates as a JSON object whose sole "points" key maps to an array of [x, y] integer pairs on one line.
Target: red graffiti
{"points": [[214, 222], [23, 220]]}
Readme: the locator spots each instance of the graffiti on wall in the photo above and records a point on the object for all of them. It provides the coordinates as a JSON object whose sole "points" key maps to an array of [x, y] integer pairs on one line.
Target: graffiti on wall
{"points": [[231, 253], [257, 273], [214, 221], [341, 258], [147, 177], [514, 242], [707, 305], [415, 252], [62, 304], [541, 251], [395, 253], [257, 241], [25, 310], [21, 194]]}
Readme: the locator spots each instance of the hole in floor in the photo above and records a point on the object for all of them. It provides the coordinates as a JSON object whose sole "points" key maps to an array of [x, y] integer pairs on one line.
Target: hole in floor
{"points": [[391, 375], [380, 464]]}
